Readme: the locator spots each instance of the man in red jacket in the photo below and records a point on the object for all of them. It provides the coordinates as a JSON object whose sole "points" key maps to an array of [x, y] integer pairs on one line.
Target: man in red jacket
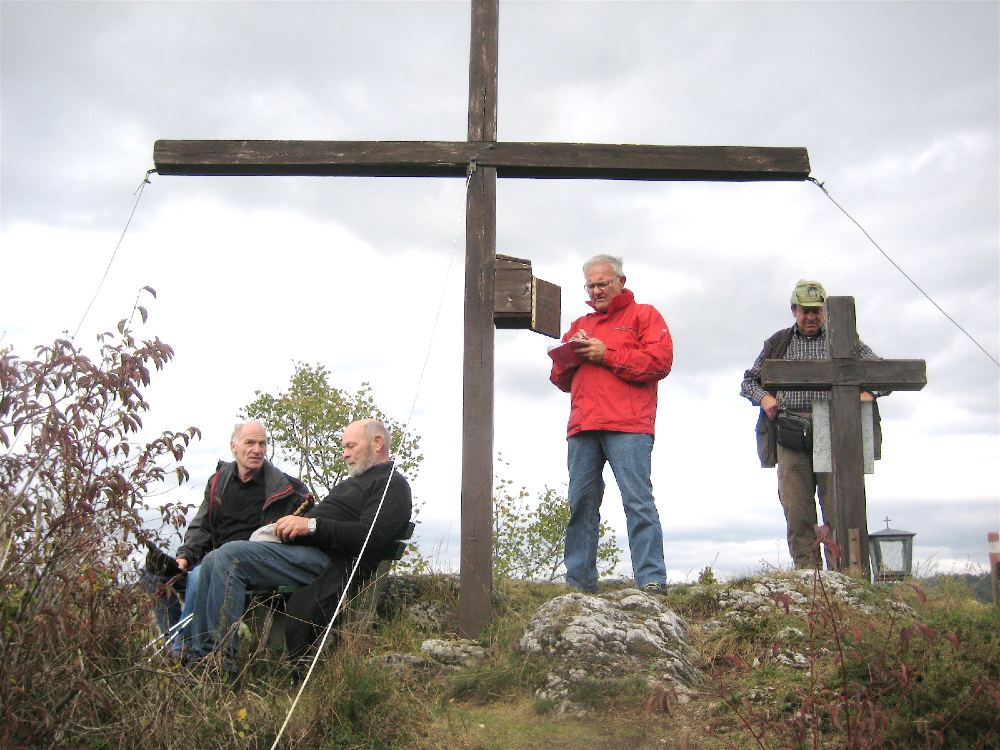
{"points": [[622, 350]]}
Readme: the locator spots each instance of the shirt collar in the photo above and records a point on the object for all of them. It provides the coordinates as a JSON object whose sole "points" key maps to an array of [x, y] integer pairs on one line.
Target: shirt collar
{"points": [[256, 478], [795, 330]]}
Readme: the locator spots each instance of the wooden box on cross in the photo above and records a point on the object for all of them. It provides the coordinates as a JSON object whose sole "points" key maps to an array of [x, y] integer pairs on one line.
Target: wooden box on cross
{"points": [[522, 301]]}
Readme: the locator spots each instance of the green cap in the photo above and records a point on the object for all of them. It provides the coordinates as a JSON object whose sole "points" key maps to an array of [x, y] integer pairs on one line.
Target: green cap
{"points": [[808, 293]]}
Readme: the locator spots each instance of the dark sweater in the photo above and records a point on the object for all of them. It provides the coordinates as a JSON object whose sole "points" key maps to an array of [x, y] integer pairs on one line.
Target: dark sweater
{"points": [[343, 519]]}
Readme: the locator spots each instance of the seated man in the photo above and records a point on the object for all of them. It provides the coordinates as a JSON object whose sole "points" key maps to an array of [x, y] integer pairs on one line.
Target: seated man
{"points": [[317, 549], [241, 496]]}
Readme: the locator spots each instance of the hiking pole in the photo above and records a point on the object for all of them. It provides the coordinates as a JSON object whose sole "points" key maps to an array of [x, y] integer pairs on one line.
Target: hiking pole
{"points": [[172, 633]]}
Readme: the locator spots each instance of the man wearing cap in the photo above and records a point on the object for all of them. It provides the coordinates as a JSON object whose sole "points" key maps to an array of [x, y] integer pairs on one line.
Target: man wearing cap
{"points": [[621, 352], [797, 482]]}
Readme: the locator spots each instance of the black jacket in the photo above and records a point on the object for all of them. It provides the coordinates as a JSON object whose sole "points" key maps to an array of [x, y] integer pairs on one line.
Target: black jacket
{"points": [[282, 496]]}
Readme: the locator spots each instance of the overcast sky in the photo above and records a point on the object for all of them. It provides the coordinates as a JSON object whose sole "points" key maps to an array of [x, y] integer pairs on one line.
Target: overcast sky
{"points": [[897, 104]]}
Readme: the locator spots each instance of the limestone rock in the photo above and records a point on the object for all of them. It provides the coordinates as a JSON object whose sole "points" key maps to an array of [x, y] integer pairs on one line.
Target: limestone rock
{"points": [[460, 652], [409, 596], [615, 635]]}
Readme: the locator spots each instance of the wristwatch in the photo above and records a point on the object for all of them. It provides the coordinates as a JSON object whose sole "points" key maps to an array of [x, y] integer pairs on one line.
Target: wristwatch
{"points": [[311, 526]]}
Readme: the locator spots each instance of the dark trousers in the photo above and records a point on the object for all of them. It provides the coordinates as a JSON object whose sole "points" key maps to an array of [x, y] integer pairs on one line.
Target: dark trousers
{"points": [[309, 609]]}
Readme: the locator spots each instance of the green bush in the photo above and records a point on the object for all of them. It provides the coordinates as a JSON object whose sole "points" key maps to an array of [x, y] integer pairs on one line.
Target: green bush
{"points": [[529, 535]]}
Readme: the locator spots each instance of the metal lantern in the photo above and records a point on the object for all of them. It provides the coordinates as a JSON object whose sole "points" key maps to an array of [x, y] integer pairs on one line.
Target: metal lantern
{"points": [[892, 553]]}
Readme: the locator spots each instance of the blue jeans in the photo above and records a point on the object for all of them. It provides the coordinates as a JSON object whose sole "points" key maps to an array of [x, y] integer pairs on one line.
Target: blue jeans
{"points": [[226, 575], [630, 456], [169, 607]]}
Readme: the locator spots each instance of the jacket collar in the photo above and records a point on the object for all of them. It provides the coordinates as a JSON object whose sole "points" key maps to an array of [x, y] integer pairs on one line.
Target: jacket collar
{"points": [[617, 303]]}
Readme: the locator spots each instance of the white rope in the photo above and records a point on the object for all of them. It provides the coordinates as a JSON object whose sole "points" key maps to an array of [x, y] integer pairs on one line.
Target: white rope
{"points": [[392, 466], [822, 186], [138, 192]]}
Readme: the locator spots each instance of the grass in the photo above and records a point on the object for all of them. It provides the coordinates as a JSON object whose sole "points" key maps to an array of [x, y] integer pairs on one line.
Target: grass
{"points": [[924, 680]]}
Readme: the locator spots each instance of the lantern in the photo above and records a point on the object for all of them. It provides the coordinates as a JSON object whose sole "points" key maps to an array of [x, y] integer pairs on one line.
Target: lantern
{"points": [[892, 553]]}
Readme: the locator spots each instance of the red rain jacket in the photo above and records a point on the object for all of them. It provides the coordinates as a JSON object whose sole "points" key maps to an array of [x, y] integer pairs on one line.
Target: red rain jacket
{"points": [[620, 393]]}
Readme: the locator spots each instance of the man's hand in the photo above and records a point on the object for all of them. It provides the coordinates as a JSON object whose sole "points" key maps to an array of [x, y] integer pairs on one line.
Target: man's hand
{"points": [[770, 406], [182, 563], [866, 396], [289, 528], [591, 350]]}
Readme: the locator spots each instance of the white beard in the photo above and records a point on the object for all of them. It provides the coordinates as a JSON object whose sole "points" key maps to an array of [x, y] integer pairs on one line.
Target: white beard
{"points": [[362, 464]]}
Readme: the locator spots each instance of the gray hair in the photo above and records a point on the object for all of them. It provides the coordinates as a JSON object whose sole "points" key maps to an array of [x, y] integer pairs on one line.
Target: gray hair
{"points": [[375, 428], [605, 260], [239, 428]]}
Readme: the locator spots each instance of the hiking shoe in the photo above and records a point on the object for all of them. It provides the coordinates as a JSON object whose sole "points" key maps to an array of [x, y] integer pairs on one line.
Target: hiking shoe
{"points": [[654, 588]]}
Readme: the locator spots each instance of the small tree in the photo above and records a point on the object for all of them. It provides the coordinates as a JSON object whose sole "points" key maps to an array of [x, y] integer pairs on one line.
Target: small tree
{"points": [[305, 424], [74, 478], [529, 537]]}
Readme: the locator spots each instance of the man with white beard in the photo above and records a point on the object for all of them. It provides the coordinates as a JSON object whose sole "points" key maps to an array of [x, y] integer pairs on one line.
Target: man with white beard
{"points": [[315, 551]]}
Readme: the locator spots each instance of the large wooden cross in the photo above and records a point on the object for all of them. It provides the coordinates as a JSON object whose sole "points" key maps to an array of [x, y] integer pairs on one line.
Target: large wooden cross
{"points": [[845, 376], [480, 159]]}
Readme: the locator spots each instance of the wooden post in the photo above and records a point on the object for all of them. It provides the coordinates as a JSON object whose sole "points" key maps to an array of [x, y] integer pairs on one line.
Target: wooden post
{"points": [[994, 540], [476, 574], [845, 440]]}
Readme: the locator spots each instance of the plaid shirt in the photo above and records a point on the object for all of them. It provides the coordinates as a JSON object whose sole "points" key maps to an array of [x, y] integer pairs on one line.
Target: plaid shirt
{"points": [[800, 347]]}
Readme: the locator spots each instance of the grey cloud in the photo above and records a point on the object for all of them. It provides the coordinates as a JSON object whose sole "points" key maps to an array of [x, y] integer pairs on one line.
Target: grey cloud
{"points": [[896, 102]]}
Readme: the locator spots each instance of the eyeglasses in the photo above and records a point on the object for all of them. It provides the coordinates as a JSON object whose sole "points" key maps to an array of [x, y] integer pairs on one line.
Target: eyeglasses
{"points": [[599, 285]]}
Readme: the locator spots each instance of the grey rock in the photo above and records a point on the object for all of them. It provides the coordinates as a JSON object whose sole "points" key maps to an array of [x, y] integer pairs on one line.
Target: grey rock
{"points": [[615, 635], [460, 652]]}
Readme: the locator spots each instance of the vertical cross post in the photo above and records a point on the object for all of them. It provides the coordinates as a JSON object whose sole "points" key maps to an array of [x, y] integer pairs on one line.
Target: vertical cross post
{"points": [[476, 574], [845, 440]]}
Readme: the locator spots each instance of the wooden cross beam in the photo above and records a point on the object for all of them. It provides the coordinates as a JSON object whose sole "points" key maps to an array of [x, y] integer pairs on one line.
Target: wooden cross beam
{"points": [[846, 376], [450, 159], [480, 159]]}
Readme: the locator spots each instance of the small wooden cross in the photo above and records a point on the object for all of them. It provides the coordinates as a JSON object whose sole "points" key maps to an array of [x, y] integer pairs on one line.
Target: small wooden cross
{"points": [[480, 159], [846, 376]]}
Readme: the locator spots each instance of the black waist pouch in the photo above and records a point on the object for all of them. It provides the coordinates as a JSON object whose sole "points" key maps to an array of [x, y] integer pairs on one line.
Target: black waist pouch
{"points": [[795, 432]]}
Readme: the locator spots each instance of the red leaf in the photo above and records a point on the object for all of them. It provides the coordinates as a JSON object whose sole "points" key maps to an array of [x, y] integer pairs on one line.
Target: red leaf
{"points": [[142, 312], [906, 635], [150, 290], [920, 593], [834, 548], [782, 598], [926, 631]]}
